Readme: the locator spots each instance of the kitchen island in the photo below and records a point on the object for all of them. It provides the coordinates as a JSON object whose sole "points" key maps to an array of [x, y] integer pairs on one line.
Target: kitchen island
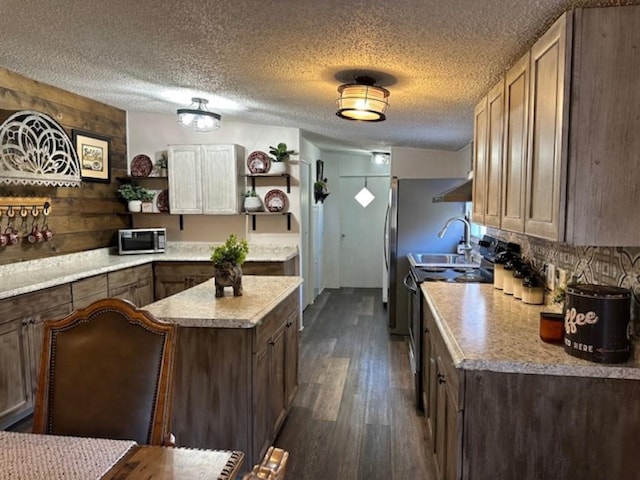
{"points": [[501, 403], [237, 362]]}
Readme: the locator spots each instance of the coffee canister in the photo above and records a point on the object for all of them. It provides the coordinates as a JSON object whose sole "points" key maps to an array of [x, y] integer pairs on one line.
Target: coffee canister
{"points": [[597, 323]]}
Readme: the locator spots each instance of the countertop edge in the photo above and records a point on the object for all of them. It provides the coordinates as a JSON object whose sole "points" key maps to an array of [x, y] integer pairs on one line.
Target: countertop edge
{"points": [[108, 262], [509, 365]]}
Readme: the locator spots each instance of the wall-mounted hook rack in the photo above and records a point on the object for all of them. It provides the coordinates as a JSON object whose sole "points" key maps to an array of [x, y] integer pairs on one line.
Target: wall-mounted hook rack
{"points": [[25, 206]]}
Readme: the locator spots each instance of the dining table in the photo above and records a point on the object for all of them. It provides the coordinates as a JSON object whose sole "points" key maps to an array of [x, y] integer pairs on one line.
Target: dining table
{"points": [[39, 457]]}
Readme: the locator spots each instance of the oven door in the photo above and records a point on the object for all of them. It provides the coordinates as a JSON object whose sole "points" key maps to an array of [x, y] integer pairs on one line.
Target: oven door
{"points": [[415, 333]]}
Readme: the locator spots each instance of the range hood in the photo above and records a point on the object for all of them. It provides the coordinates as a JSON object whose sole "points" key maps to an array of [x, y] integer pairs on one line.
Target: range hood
{"points": [[461, 193]]}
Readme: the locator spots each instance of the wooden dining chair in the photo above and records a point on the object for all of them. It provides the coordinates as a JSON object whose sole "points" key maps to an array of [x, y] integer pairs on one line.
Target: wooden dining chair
{"points": [[272, 466], [107, 371]]}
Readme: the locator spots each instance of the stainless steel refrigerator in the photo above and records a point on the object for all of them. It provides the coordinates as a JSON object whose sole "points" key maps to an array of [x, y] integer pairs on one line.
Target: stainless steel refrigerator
{"points": [[412, 224]]}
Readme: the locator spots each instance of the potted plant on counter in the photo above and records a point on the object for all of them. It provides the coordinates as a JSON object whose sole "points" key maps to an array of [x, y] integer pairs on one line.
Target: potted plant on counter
{"points": [[134, 195], [227, 259], [280, 158]]}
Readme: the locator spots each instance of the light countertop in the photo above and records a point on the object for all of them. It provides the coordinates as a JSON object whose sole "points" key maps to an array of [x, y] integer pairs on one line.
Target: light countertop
{"points": [[24, 277], [485, 329], [199, 307]]}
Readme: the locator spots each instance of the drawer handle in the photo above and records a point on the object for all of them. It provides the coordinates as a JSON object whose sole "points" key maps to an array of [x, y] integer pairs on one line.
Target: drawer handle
{"points": [[441, 379]]}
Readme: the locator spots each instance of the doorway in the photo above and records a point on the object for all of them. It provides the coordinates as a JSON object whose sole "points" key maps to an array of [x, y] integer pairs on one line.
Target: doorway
{"points": [[362, 231]]}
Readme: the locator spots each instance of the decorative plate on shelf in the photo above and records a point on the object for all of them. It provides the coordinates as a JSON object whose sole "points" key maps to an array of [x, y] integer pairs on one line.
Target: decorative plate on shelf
{"points": [[141, 166], [162, 201], [275, 200], [258, 162]]}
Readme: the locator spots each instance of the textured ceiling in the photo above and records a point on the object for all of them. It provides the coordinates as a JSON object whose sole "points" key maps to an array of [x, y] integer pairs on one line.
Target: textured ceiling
{"points": [[279, 62]]}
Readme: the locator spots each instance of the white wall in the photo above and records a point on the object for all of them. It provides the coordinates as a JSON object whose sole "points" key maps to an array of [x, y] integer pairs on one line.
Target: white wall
{"points": [[151, 133], [422, 163]]}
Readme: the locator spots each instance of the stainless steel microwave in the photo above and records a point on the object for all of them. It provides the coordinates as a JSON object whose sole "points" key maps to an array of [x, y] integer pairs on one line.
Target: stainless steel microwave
{"points": [[141, 240]]}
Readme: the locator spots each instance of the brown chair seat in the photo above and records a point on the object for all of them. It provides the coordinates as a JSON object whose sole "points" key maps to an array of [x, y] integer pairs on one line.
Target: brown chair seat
{"points": [[107, 371]]}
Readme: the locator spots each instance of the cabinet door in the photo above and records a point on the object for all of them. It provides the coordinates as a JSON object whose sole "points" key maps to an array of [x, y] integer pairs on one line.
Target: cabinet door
{"points": [[35, 336], [493, 176], [133, 284], [291, 358], [220, 179], [261, 396], [15, 382], [433, 395], [514, 166], [174, 277], [277, 381], [480, 128], [548, 112], [185, 178]]}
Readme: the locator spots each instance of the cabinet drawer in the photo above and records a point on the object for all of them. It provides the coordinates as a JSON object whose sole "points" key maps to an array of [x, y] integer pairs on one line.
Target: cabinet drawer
{"points": [[129, 276], [275, 320], [173, 269], [25, 305], [88, 290]]}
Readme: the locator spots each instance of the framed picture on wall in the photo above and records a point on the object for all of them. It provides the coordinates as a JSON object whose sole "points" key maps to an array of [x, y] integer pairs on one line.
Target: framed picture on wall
{"points": [[93, 153]]}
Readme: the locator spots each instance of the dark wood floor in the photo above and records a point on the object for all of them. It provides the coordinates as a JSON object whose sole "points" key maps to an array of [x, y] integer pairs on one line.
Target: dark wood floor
{"points": [[353, 416]]}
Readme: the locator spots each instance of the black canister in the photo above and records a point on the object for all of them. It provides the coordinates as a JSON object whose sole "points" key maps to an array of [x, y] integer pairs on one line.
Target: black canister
{"points": [[597, 323]]}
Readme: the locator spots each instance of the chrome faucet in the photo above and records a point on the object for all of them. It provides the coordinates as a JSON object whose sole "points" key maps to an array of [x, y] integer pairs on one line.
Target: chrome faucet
{"points": [[467, 234]]}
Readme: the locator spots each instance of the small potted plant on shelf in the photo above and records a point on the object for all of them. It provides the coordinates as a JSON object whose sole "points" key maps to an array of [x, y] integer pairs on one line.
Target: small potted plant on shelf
{"points": [[161, 164], [226, 259], [134, 195], [280, 158], [252, 202]]}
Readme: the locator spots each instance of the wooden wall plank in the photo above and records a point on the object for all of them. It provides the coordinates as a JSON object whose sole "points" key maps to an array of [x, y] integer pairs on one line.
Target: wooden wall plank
{"points": [[82, 218]]}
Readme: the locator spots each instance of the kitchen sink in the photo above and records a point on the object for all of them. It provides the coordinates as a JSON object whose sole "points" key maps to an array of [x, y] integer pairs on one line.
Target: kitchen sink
{"points": [[440, 260]]}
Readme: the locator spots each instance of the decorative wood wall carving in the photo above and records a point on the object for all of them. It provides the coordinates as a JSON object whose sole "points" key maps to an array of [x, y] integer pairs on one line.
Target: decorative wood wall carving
{"points": [[35, 150]]}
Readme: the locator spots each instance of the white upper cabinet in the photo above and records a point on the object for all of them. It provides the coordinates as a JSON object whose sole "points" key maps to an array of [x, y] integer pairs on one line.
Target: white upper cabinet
{"points": [[205, 179]]}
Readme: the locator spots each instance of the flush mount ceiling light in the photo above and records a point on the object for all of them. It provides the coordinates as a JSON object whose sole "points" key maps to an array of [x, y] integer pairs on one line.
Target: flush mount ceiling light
{"points": [[380, 158], [362, 101], [197, 117]]}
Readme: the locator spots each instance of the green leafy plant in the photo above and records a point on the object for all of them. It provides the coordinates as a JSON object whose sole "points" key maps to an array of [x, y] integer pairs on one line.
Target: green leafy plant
{"points": [[251, 193], [130, 192], [280, 153], [162, 161], [232, 251]]}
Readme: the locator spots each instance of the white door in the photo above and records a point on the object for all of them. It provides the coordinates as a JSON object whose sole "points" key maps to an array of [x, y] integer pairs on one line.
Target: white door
{"points": [[362, 232]]}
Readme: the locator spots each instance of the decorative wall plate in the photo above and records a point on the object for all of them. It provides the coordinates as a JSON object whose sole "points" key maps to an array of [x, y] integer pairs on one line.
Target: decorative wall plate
{"points": [[162, 201], [275, 200], [141, 166], [258, 162]]}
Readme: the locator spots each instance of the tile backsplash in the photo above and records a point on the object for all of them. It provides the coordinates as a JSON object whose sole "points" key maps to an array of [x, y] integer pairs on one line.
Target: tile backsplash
{"points": [[619, 266]]}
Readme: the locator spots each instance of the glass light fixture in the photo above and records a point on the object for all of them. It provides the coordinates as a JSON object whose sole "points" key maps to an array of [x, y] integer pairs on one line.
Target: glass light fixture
{"points": [[197, 117], [362, 101], [364, 197], [380, 158]]}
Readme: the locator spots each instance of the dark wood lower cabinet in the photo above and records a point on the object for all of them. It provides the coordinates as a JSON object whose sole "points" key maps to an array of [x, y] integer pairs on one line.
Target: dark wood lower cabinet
{"points": [[21, 320], [234, 386], [174, 277], [134, 284], [487, 425]]}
